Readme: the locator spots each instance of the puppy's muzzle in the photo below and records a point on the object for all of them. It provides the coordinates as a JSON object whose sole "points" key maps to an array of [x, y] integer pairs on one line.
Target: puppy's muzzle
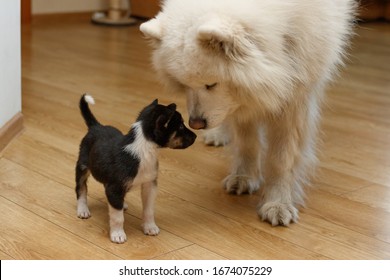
{"points": [[182, 141]]}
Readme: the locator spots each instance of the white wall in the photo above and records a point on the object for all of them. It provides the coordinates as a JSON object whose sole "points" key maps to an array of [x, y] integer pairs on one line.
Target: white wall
{"points": [[10, 61], [68, 6]]}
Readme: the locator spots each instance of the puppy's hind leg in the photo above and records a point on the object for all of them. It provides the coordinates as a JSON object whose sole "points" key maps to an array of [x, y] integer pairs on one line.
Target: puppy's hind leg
{"points": [[82, 174], [149, 193], [117, 233], [115, 196]]}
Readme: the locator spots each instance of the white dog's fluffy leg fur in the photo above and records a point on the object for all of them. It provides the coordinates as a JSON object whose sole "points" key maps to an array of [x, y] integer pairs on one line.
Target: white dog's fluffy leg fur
{"points": [[116, 217], [290, 161], [149, 193], [245, 176]]}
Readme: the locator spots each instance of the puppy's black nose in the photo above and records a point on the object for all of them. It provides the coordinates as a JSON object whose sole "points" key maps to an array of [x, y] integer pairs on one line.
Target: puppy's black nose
{"points": [[197, 123], [190, 139]]}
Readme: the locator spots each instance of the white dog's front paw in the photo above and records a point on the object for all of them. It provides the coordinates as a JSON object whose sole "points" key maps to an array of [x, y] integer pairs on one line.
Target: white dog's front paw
{"points": [[239, 184], [216, 137], [118, 236], [151, 229], [278, 213]]}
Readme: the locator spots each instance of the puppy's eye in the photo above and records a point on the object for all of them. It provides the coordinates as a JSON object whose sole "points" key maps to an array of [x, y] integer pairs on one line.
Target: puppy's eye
{"points": [[181, 126], [208, 87]]}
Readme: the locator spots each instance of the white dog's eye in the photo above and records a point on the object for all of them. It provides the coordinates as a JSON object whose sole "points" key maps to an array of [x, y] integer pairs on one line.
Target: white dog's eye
{"points": [[208, 87]]}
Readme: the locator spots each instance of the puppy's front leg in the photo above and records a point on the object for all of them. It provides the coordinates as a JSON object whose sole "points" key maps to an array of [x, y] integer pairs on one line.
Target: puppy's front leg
{"points": [[149, 193], [115, 196]]}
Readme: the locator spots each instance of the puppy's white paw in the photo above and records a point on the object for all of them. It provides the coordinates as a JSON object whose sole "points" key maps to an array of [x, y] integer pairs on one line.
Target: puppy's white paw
{"points": [[118, 236], [125, 206], [83, 211], [239, 184], [278, 213], [151, 229], [216, 137]]}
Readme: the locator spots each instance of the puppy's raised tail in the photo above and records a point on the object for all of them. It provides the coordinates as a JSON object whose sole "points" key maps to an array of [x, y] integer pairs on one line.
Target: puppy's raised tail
{"points": [[89, 118]]}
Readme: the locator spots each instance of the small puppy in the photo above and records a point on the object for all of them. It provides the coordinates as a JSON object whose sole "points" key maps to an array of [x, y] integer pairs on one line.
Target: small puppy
{"points": [[121, 161]]}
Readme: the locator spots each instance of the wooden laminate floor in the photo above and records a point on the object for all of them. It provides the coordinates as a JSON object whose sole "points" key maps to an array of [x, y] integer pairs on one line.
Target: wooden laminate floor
{"points": [[348, 209]]}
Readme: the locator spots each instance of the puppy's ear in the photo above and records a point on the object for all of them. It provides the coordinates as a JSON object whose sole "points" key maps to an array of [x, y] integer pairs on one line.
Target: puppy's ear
{"points": [[172, 107], [164, 119], [155, 102], [161, 124], [224, 37], [152, 30]]}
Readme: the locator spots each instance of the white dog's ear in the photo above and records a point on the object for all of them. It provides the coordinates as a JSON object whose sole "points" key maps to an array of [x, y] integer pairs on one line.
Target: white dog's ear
{"points": [[223, 37], [152, 29]]}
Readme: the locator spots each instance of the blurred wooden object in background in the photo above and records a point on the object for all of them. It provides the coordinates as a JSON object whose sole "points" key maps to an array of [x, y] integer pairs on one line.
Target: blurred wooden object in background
{"points": [[145, 8], [374, 9], [25, 10]]}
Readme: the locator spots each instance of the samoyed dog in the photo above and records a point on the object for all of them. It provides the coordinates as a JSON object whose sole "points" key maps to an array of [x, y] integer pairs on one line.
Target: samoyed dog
{"points": [[254, 74]]}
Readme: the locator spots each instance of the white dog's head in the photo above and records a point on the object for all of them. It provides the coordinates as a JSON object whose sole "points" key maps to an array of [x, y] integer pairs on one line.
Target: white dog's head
{"points": [[195, 66], [218, 61]]}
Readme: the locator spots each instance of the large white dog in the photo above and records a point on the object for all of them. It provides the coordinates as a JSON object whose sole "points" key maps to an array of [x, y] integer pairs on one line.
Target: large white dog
{"points": [[254, 68]]}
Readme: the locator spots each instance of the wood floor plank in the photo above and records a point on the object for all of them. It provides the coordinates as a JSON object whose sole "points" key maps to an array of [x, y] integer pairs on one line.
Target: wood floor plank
{"points": [[43, 159], [57, 204], [346, 240], [224, 236], [32, 237], [375, 196], [356, 216], [4, 256], [335, 182], [193, 252]]}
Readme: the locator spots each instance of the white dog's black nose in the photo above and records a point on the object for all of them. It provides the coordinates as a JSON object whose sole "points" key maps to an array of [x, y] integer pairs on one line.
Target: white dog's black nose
{"points": [[198, 123]]}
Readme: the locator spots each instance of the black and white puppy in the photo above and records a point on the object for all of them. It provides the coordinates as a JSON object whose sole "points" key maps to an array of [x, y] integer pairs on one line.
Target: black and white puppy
{"points": [[121, 161]]}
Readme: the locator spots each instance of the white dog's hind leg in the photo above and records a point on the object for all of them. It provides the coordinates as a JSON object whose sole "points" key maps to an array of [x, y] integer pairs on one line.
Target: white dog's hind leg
{"points": [[245, 176], [149, 193], [218, 136]]}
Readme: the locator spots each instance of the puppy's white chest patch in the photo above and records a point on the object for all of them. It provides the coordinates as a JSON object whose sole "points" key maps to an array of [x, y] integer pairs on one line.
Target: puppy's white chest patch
{"points": [[147, 171], [146, 152]]}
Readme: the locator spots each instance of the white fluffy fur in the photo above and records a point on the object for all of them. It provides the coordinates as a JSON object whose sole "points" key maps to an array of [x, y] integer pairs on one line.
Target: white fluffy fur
{"points": [[147, 152], [89, 99], [271, 61]]}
